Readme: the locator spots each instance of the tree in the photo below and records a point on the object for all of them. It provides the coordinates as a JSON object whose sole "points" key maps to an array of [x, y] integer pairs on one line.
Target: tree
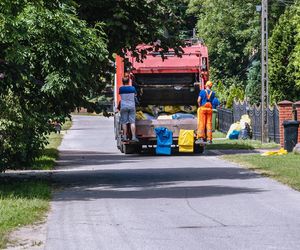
{"points": [[128, 23], [253, 87], [296, 54], [284, 57], [50, 62], [230, 29]]}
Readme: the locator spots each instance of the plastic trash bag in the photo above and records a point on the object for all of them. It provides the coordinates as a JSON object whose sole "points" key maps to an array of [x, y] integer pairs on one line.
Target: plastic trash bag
{"points": [[164, 117], [186, 141], [234, 135], [245, 119], [164, 141], [281, 151], [172, 109], [179, 116], [140, 115], [234, 131]]}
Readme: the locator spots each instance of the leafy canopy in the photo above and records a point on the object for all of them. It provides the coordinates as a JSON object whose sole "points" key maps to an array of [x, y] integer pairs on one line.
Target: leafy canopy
{"points": [[50, 61]]}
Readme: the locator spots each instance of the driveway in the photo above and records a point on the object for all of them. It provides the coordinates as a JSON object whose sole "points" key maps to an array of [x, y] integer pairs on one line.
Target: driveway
{"points": [[107, 200]]}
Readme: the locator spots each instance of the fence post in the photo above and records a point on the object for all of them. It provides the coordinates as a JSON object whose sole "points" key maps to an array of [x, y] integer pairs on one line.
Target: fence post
{"points": [[285, 113], [297, 105]]}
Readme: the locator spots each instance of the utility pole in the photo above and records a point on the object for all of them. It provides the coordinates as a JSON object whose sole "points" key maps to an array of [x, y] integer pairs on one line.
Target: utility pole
{"points": [[264, 73]]}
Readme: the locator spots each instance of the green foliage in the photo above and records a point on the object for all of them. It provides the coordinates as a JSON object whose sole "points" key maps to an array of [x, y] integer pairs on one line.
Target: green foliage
{"points": [[132, 22], [230, 29], [282, 46], [21, 133], [284, 56], [253, 87], [296, 54], [50, 61], [227, 95]]}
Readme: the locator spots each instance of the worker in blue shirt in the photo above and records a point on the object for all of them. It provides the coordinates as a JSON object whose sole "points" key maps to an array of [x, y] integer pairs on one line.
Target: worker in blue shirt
{"points": [[127, 109], [215, 103], [204, 114]]}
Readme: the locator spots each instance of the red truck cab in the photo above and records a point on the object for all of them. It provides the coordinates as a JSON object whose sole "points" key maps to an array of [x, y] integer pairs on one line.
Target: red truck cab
{"points": [[170, 80]]}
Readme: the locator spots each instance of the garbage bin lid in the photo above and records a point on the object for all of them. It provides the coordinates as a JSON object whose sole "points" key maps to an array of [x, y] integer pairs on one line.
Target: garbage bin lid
{"points": [[290, 123]]}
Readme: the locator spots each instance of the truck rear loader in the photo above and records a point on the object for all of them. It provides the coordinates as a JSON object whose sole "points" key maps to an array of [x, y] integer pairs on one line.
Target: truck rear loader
{"points": [[162, 81]]}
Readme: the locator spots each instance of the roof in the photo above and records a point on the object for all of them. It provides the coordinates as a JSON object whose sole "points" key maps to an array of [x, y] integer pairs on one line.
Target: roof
{"points": [[190, 61]]}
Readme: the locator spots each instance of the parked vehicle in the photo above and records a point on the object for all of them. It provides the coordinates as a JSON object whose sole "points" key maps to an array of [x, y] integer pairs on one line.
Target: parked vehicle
{"points": [[169, 81]]}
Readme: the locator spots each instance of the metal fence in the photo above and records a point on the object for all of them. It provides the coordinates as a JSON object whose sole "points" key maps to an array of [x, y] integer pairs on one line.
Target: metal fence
{"points": [[254, 112], [225, 117]]}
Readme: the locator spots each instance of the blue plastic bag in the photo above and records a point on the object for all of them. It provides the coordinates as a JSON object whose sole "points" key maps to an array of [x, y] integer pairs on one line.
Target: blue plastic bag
{"points": [[164, 141], [179, 116], [234, 135]]}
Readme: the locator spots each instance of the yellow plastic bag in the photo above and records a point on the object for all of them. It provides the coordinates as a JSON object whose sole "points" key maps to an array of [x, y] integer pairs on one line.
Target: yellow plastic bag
{"points": [[140, 115], [172, 109], [281, 151], [186, 141], [245, 119]]}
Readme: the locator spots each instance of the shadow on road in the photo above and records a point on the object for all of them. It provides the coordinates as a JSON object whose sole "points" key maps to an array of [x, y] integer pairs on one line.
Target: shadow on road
{"points": [[79, 194], [72, 158], [81, 176], [148, 183], [152, 177]]}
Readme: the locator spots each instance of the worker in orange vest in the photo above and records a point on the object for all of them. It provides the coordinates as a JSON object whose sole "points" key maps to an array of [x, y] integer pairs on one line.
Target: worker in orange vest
{"points": [[204, 113]]}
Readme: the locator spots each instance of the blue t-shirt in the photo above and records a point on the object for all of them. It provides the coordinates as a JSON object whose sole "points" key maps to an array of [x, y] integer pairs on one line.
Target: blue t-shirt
{"points": [[203, 97], [127, 94], [215, 103], [127, 90]]}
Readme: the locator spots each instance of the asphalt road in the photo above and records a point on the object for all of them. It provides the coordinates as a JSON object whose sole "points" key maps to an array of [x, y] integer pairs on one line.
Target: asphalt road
{"points": [[107, 200]]}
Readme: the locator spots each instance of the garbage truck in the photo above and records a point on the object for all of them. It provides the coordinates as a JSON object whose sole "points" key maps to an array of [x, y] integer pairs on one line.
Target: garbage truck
{"points": [[167, 87]]}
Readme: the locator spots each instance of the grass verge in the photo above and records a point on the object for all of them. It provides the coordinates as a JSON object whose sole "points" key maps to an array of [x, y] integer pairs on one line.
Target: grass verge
{"points": [[220, 142], [22, 202], [284, 168], [25, 201], [47, 160]]}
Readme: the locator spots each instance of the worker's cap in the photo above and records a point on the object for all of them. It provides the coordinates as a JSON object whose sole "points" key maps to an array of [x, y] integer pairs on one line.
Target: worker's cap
{"points": [[209, 84]]}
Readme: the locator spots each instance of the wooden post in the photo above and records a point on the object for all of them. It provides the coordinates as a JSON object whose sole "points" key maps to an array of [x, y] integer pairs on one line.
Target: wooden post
{"points": [[264, 73]]}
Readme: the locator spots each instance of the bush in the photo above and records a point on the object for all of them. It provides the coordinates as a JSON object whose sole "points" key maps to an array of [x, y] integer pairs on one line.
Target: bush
{"points": [[22, 134]]}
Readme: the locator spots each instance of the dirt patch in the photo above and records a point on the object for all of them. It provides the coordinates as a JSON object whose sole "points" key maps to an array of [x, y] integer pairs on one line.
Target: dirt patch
{"points": [[29, 237]]}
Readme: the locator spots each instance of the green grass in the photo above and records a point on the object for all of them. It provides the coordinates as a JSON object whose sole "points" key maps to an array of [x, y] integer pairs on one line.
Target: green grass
{"points": [[220, 142], [50, 153], [218, 134], [284, 168], [240, 144], [22, 202]]}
